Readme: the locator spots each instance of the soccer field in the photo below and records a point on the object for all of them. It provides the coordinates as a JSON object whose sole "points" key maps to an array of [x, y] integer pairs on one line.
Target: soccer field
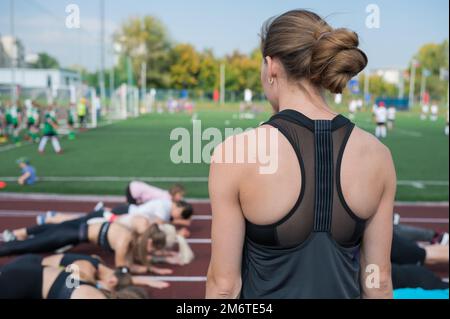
{"points": [[103, 160]]}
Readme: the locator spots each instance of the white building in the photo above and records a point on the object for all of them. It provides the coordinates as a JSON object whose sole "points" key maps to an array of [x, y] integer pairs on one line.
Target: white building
{"points": [[14, 51], [4, 59], [54, 79]]}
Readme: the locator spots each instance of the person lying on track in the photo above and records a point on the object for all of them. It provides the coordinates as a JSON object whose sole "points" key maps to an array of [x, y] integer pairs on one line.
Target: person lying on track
{"points": [[128, 246], [27, 278], [95, 271], [138, 193], [410, 264], [159, 211], [135, 223]]}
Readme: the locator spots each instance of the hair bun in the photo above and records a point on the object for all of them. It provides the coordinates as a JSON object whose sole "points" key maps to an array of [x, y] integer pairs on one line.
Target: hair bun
{"points": [[336, 59]]}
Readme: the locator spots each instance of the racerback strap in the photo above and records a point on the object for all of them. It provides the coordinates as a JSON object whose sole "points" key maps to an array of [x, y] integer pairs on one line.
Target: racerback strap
{"points": [[323, 205]]}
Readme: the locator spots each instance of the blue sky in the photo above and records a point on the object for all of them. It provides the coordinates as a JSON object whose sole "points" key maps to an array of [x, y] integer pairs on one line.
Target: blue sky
{"points": [[225, 25]]}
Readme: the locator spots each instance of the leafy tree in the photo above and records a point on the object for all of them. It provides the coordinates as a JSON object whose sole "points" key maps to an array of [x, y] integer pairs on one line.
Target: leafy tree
{"points": [[185, 67], [146, 40], [243, 72], [45, 61], [432, 57], [208, 77]]}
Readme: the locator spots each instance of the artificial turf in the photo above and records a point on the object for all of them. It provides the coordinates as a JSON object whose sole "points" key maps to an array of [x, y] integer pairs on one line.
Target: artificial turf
{"points": [[140, 147]]}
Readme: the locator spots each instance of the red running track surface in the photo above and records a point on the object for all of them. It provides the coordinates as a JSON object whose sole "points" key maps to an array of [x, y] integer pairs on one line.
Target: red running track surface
{"points": [[188, 282]]}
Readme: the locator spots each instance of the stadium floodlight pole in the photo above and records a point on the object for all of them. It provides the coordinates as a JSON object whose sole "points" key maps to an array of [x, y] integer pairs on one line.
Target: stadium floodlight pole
{"points": [[222, 83], [412, 83], [111, 83], [144, 84], [102, 51], [423, 85], [401, 89], [14, 54], [366, 87]]}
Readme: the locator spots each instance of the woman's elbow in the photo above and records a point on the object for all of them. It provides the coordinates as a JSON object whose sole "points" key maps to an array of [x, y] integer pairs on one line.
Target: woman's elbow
{"points": [[222, 287], [381, 289]]}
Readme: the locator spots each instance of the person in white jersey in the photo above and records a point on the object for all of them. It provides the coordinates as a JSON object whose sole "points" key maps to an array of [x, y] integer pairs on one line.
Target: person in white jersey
{"points": [[425, 112], [391, 116], [381, 119], [352, 108], [434, 112]]}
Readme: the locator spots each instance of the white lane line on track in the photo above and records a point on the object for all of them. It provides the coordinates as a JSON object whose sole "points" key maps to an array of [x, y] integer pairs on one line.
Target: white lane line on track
{"points": [[202, 217], [176, 278], [27, 214], [188, 179], [199, 241], [77, 198], [90, 179], [424, 220]]}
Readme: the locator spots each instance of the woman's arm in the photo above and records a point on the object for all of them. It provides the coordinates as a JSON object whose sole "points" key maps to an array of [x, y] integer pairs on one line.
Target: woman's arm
{"points": [[23, 178], [145, 281], [122, 246], [376, 280], [228, 230]]}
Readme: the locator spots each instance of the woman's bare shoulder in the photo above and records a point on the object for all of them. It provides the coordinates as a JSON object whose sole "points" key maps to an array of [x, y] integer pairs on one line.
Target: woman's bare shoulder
{"points": [[369, 146], [87, 292]]}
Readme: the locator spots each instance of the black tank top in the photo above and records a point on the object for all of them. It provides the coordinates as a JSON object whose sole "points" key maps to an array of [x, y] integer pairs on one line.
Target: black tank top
{"points": [[312, 252]]}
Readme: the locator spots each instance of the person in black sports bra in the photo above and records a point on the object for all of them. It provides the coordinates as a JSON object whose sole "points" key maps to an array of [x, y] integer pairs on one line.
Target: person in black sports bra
{"points": [[127, 246], [27, 278], [312, 216], [95, 271]]}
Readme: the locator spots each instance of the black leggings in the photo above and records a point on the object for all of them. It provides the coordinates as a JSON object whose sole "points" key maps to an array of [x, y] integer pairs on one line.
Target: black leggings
{"points": [[406, 252], [22, 278], [414, 233], [48, 238], [413, 276], [130, 198]]}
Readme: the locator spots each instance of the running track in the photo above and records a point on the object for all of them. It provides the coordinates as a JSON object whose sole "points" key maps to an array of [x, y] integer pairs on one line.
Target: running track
{"points": [[187, 282]]}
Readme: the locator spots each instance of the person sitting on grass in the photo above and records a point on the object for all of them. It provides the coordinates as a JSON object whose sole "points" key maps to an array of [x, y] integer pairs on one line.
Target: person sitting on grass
{"points": [[28, 176]]}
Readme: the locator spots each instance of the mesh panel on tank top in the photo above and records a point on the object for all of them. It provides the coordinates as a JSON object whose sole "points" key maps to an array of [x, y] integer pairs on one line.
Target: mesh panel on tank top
{"points": [[319, 146]]}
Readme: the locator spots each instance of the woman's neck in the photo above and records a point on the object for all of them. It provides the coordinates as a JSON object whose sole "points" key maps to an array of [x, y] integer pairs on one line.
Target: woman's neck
{"points": [[306, 100]]}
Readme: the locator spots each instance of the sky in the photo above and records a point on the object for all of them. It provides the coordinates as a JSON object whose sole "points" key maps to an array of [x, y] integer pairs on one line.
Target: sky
{"points": [[224, 25]]}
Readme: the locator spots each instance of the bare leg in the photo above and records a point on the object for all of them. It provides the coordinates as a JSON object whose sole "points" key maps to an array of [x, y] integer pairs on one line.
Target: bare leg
{"points": [[21, 234], [436, 254]]}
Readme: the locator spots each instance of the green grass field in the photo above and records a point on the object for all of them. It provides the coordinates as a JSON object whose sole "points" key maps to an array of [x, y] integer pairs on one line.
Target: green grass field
{"points": [[140, 148]]}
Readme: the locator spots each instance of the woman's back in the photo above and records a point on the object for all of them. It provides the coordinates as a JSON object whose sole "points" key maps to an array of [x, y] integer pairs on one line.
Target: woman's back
{"points": [[267, 198], [309, 213], [301, 230]]}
